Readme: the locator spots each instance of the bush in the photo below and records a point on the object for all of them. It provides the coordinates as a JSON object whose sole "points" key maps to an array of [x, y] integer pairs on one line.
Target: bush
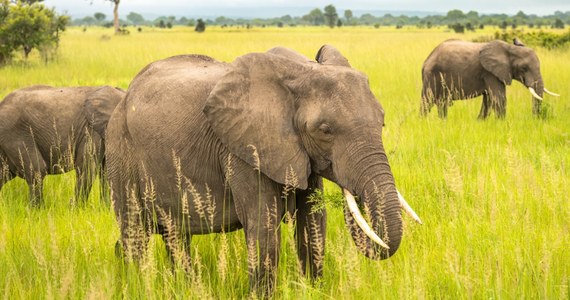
{"points": [[548, 40], [457, 28], [200, 26]]}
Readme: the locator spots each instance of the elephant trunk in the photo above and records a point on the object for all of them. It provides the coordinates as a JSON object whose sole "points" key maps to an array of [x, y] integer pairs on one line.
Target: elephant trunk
{"points": [[378, 198], [537, 91]]}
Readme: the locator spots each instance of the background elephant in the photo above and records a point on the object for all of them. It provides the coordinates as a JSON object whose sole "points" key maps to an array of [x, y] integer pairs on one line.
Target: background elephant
{"points": [[460, 70], [49, 130], [213, 147]]}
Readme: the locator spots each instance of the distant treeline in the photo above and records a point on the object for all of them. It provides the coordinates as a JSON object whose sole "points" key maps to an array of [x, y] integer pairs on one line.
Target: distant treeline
{"points": [[329, 17]]}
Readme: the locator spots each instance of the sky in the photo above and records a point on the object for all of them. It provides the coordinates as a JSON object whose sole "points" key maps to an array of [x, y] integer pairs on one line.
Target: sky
{"points": [[275, 8]]}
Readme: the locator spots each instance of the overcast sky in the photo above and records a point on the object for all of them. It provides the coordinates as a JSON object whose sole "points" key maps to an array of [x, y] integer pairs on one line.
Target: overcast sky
{"points": [[219, 7]]}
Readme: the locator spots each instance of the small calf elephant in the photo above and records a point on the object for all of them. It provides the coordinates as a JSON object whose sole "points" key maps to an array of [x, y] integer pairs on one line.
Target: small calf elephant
{"points": [[50, 130], [460, 70]]}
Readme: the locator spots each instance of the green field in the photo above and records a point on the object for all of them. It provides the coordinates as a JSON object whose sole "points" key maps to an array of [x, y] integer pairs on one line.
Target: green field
{"points": [[493, 195]]}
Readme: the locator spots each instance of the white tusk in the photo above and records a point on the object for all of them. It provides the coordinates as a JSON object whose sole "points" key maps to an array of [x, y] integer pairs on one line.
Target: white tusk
{"points": [[353, 208], [534, 94], [551, 93], [407, 208]]}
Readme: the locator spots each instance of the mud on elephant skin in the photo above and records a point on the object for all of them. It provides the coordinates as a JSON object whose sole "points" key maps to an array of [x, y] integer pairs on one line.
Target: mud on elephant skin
{"points": [[460, 70], [195, 135], [50, 130]]}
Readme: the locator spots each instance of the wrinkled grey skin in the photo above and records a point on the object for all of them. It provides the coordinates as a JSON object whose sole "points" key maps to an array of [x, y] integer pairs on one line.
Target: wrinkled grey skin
{"points": [[49, 130], [460, 70], [243, 135]]}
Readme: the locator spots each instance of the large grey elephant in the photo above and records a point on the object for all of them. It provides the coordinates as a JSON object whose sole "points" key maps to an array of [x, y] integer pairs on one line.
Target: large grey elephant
{"points": [[202, 146], [460, 70], [50, 130]]}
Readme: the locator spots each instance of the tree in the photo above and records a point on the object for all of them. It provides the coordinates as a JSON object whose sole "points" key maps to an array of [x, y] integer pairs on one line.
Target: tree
{"points": [[455, 15], [28, 25], [100, 17], [116, 15], [348, 16], [558, 24], [315, 17], [330, 15], [135, 19]]}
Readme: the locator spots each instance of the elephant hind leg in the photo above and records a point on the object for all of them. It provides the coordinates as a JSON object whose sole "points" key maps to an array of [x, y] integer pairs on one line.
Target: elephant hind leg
{"points": [[132, 217], [31, 166], [178, 250], [425, 107], [427, 101], [442, 109]]}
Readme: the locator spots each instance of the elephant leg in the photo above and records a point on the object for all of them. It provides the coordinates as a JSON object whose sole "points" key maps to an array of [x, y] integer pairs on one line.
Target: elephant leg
{"points": [[497, 96], [103, 183], [259, 208], [500, 107], [85, 167], [427, 101], [85, 175], [485, 105], [310, 231], [442, 108], [33, 168], [177, 246], [132, 217], [5, 173]]}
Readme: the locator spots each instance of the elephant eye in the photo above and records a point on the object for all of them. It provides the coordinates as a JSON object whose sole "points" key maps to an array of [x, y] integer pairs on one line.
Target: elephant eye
{"points": [[325, 128]]}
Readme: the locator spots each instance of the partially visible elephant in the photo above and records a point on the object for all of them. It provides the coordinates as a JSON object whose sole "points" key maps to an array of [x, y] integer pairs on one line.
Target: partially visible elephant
{"points": [[460, 70], [50, 130], [201, 146]]}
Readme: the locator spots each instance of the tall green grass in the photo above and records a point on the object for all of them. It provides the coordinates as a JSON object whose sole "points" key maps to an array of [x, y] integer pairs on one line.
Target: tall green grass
{"points": [[493, 195]]}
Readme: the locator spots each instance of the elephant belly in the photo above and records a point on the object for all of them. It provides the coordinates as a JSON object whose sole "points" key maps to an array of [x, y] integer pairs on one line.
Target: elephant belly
{"points": [[192, 189]]}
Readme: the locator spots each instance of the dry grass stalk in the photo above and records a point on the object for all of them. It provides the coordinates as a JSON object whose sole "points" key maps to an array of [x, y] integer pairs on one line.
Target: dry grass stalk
{"points": [[173, 241]]}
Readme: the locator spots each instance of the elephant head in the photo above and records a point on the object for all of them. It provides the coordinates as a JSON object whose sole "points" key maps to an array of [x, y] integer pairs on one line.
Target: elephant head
{"points": [[289, 118], [508, 62]]}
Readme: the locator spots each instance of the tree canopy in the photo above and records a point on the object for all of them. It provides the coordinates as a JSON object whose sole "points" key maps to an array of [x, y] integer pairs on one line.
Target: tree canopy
{"points": [[28, 25]]}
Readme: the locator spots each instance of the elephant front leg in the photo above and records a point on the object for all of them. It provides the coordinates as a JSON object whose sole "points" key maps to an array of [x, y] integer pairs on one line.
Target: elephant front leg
{"points": [[496, 91], [485, 105], [5, 173], [260, 209], [310, 231], [85, 176]]}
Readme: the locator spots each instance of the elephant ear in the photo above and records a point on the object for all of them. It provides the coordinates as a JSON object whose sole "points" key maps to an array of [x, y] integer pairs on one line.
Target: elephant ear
{"points": [[494, 58], [99, 106], [251, 110], [329, 55]]}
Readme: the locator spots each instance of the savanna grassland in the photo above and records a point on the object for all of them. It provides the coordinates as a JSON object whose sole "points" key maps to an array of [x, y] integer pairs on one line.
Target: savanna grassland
{"points": [[493, 195]]}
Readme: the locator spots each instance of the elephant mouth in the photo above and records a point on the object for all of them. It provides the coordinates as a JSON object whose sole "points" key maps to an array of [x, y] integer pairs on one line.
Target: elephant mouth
{"points": [[363, 224]]}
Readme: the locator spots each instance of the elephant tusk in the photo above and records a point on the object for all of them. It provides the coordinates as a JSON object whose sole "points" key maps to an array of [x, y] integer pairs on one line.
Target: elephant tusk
{"points": [[551, 93], [534, 94], [353, 208], [408, 209]]}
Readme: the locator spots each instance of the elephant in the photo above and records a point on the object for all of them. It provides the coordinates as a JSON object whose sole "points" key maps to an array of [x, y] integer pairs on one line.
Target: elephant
{"points": [[49, 130], [460, 70], [199, 146]]}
